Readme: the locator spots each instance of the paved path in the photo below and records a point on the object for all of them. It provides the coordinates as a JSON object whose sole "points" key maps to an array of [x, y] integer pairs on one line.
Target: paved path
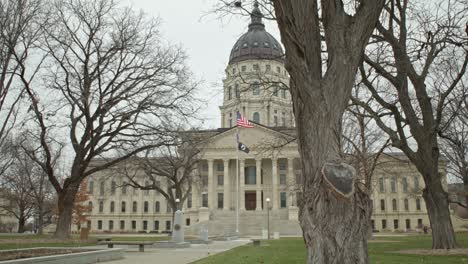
{"points": [[176, 256]]}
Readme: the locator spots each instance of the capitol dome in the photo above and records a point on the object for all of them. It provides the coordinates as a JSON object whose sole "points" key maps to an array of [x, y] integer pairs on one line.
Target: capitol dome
{"points": [[257, 43]]}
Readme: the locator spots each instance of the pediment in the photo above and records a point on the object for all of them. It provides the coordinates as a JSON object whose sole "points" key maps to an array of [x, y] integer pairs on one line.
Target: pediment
{"points": [[257, 139]]}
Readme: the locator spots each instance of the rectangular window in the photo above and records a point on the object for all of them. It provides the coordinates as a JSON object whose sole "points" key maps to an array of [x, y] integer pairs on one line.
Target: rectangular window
{"points": [[220, 200], [111, 225], [395, 224], [283, 199], [393, 184], [204, 200], [406, 204], [384, 224], [88, 224], [168, 207], [133, 224], [394, 204], [187, 222], [418, 204], [91, 187], [381, 185], [124, 188], [373, 224], [99, 224], [382, 205], [134, 207], [168, 225], [298, 178], [123, 207], [122, 225], [256, 67], [268, 67], [282, 166], [101, 188], [220, 167], [145, 225], [408, 223], [404, 183], [416, 184], [112, 206], [113, 187], [283, 179], [145, 206], [275, 120], [243, 68], [189, 200], [156, 225], [220, 180], [420, 223], [250, 175], [101, 206], [205, 180]]}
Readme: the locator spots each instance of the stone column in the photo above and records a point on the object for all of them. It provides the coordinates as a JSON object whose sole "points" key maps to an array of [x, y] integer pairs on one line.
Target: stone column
{"points": [[241, 185], [195, 191], [291, 181], [259, 184], [227, 186], [274, 175], [211, 193]]}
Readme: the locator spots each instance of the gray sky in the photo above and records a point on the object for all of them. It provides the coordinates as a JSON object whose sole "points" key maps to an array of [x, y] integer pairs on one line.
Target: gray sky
{"points": [[206, 39]]}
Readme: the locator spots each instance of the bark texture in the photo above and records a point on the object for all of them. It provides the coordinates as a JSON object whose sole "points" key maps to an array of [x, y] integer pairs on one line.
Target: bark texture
{"points": [[335, 227], [66, 201]]}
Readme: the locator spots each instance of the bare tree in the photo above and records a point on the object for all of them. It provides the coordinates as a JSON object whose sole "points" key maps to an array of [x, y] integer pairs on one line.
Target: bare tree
{"points": [[454, 141], [19, 23], [324, 42], [169, 170], [405, 71], [111, 89]]}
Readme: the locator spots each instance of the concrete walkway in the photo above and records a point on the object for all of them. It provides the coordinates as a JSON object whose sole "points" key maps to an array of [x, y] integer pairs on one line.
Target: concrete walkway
{"points": [[176, 256]]}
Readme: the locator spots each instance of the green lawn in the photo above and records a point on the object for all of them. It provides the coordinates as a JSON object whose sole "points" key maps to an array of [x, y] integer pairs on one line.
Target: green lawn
{"points": [[292, 250]]}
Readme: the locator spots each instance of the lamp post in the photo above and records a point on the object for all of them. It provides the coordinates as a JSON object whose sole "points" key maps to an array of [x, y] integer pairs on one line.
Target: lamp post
{"points": [[177, 204], [268, 217]]}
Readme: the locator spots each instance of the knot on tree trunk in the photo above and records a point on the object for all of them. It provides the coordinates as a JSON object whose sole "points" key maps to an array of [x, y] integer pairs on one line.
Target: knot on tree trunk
{"points": [[340, 178]]}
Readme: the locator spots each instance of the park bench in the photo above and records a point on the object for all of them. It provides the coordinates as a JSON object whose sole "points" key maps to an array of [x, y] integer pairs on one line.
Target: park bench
{"points": [[256, 242], [141, 244], [99, 239]]}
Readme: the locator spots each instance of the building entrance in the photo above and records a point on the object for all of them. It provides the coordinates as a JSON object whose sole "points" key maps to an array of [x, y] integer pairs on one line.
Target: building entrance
{"points": [[250, 200]]}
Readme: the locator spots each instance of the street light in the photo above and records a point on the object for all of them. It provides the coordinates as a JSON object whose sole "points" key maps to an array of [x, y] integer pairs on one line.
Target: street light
{"points": [[268, 217], [177, 203]]}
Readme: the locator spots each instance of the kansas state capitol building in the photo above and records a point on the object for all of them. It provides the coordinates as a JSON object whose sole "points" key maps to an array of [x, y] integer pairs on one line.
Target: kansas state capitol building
{"points": [[255, 85]]}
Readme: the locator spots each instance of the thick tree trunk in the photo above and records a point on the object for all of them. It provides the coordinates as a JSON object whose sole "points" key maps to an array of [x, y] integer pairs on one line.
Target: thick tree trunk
{"points": [[443, 235], [335, 227], [66, 200], [21, 224]]}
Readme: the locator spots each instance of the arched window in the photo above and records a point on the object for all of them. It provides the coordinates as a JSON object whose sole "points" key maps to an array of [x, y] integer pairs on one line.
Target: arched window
{"points": [[237, 91], [394, 204], [101, 188], [406, 204], [256, 117], [134, 207], [112, 206], [90, 206], [255, 88], [101, 206], [157, 207], [145, 206], [418, 204], [123, 207]]}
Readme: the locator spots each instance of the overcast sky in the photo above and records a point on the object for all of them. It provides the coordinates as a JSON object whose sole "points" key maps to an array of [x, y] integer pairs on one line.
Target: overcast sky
{"points": [[206, 39]]}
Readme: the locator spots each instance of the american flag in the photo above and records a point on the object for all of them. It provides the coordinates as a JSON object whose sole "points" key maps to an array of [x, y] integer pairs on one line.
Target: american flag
{"points": [[243, 122]]}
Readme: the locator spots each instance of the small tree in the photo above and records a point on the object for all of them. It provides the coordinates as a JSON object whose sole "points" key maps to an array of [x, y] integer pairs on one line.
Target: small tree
{"points": [[81, 207]]}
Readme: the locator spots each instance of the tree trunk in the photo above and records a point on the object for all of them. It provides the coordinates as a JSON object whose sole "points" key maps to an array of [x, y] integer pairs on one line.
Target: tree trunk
{"points": [[443, 235], [21, 224], [335, 227], [40, 220], [66, 200]]}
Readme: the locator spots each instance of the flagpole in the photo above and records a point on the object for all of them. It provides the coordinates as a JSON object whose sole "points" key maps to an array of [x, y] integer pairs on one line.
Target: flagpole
{"points": [[237, 180]]}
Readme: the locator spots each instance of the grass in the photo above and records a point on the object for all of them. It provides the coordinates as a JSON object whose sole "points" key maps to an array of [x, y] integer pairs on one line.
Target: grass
{"points": [[292, 250]]}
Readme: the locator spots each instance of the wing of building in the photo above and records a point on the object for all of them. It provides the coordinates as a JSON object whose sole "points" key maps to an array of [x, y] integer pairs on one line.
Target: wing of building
{"points": [[255, 86]]}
